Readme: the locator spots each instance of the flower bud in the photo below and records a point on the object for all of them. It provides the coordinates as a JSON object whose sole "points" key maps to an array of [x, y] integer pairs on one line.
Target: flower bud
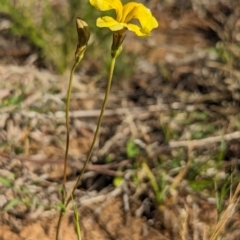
{"points": [[83, 37], [118, 38]]}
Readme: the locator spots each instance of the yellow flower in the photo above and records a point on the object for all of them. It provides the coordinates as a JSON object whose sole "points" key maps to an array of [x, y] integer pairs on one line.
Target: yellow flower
{"points": [[124, 14]]}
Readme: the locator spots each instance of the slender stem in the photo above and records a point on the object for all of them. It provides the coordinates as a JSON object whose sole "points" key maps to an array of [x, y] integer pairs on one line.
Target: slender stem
{"points": [[98, 127], [67, 123], [59, 223], [77, 222], [78, 59]]}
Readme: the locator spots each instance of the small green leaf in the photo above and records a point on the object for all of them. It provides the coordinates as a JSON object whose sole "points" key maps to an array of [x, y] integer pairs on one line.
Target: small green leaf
{"points": [[151, 177], [61, 206], [132, 149], [117, 181], [11, 204], [6, 182]]}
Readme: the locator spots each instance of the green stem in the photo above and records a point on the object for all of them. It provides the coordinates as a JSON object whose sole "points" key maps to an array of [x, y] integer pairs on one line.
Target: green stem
{"points": [[98, 127], [59, 223], [67, 122], [77, 222], [77, 61]]}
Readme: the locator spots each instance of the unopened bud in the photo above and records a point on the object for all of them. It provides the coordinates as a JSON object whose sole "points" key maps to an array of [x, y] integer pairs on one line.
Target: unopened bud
{"points": [[83, 37], [118, 38]]}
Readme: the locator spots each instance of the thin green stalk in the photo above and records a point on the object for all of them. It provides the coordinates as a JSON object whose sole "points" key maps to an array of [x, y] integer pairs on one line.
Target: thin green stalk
{"points": [[67, 121], [98, 127], [77, 222], [77, 61], [59, 223]]}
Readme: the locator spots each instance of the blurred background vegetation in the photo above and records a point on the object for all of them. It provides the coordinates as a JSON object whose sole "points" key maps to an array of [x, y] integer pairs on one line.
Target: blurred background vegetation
{"points": [[49, 28]]}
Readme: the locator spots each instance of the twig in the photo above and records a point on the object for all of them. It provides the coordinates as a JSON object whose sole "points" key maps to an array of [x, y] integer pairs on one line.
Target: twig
{"points": [[106, 169], [95, 113], [205, 141]]}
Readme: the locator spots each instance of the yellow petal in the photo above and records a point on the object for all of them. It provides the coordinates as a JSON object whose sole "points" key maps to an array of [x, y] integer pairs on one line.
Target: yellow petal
{"points": [[136, 29], [139, 11], [128, 10], [105, 5], [111, 23]]}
